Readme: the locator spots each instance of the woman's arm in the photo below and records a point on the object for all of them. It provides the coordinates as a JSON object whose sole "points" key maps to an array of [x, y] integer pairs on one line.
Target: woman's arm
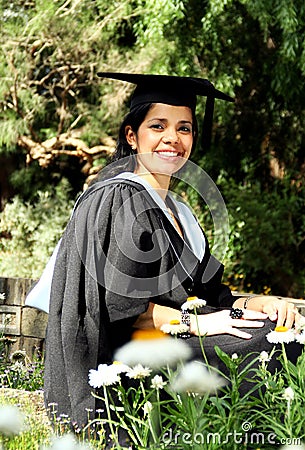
{"points": [[156, 316], [281, 311], [219, 322]]}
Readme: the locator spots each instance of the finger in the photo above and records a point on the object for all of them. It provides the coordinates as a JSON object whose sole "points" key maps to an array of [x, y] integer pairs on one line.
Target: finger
{"points": [[251, 314], [273, 316], [285, 314], [299, 319], [281, 313], [239, 333], [290, 315], [242, 323], [271, 310]]}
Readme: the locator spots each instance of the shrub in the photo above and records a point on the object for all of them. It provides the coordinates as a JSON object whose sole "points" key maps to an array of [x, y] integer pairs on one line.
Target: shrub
{"points": [[29, 232], [266, 246]]}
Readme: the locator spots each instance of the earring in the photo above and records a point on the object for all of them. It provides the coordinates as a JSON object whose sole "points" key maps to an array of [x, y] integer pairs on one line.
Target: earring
{"points": [[134, 147]]}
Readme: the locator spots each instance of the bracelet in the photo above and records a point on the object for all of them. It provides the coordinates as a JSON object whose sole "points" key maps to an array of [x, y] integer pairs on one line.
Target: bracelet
{"points": [[247, 301], [185, 317], [186, 320]]}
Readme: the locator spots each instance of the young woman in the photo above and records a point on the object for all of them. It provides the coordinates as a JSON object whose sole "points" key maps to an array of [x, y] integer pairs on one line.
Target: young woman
{"points": [[128, 258]]}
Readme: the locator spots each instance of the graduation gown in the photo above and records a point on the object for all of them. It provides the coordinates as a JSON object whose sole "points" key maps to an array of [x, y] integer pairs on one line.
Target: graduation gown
{"points": [[118, 253]]}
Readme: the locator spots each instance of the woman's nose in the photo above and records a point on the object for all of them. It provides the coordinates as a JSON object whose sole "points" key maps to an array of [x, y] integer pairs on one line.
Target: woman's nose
{"points": [[170, 137]]}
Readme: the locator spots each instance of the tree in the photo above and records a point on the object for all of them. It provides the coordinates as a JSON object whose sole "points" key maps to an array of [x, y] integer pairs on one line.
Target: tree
{"points": [[51, 107], [58, 120]]}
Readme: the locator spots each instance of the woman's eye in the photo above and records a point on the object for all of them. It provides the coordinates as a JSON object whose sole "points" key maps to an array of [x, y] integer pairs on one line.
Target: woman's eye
{"points": [[156, 126], [185, 129]]}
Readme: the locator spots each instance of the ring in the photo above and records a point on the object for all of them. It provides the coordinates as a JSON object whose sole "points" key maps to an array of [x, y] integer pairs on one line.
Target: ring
{"points": [[236, 313]]}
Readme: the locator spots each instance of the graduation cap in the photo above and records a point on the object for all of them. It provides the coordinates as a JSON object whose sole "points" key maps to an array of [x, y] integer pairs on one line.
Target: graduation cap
{"points": [[173, 90]]}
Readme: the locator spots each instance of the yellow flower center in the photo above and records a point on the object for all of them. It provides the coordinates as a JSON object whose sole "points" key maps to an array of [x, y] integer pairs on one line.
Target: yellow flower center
{"points": [[190, 299], [174, 322], [281, 329], [151, 333]]}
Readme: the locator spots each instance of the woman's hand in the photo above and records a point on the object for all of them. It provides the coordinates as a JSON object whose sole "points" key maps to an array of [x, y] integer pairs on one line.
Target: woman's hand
{"points": [[281, 311], [221, 323], [277, 309]]}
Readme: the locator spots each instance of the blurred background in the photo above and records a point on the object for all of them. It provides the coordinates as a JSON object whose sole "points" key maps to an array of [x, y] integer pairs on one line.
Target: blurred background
{"points": [[59, 121]]}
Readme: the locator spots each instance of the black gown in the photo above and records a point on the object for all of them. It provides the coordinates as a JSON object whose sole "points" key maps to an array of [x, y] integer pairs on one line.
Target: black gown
{"points": [[118, 253]]}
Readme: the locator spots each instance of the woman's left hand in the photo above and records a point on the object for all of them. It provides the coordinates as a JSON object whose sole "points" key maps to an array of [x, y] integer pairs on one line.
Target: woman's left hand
{"points": [[281, 311]]}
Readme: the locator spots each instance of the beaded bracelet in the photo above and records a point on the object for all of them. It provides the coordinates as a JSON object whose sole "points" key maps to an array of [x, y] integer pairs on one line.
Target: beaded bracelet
{"points": [[247, 301], [186, 320]]}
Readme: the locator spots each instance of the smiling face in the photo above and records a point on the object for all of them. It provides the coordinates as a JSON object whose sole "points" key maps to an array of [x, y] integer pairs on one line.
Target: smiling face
{"points": [[163, 141]]}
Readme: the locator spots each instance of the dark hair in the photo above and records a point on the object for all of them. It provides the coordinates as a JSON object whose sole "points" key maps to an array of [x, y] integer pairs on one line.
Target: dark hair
{"points": [[122, 160], [134, 119]]}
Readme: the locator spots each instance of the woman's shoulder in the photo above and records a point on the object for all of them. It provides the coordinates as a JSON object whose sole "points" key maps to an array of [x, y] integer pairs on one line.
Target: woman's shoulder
{"points": [[117, 192], [115, 184]]}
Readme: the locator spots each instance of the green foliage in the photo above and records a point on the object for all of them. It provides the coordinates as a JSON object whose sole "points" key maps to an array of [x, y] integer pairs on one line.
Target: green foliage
{"points": [[22, 373], [268, 414], [30, 232], [266, 246], [37, 431], [156, 416], [252, 49]]}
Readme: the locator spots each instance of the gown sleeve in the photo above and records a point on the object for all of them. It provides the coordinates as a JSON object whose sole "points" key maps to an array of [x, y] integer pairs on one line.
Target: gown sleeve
{"points": [[116, 237]]}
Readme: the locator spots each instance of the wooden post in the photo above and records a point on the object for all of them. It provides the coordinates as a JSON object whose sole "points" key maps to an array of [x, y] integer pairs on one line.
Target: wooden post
{"points": [[24, 326]]}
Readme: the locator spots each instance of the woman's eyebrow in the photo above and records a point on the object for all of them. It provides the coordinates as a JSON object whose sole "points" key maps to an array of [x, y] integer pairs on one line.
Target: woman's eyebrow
{"points": [[157, 118], [186, 121], [166, 120]]}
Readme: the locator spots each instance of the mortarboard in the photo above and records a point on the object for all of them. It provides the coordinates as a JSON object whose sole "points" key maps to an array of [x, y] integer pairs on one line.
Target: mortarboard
{"points": [[173, 90]]}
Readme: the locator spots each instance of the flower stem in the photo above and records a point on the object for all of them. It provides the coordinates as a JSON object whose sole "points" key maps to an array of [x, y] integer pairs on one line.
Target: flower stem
{"points": [[201, 341], [112, 430]]}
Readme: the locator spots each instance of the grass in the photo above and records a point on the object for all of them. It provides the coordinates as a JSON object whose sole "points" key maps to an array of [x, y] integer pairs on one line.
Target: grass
{"points": [[38, 430], [21, 382]]}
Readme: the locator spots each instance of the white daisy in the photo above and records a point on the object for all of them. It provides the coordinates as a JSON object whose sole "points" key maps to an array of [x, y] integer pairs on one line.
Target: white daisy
{"points": [[138, 372], [192, 303], [67, 442], [288, 394], [147, 408], [195, 377], [300, 337], [264, 356], [299, 327], [119, 367], [280, 335], [234, 356], [157, 382], [293, 446], [11, 420], [154, 349], [18, 356], [174, 328], [103, 376]]}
